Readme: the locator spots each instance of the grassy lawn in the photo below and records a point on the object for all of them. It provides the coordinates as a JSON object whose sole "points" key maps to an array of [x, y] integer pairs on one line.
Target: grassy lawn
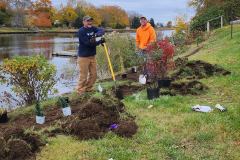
{"points": [[170, 130]]}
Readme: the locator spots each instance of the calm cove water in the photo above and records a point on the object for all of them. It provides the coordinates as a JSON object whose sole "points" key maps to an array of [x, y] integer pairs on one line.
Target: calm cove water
{"points": [[45, 44]]}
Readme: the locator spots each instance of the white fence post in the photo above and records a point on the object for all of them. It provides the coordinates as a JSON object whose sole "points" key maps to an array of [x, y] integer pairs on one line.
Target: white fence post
{"points": [[232, 23], [208, 26], [221, 21]]}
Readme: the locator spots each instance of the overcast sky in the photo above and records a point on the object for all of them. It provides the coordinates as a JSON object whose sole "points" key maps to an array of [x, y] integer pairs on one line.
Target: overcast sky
{"points": [[160, 10]]}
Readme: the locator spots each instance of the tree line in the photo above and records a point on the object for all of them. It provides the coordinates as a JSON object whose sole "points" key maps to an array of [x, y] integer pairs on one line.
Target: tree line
{"points": [[209, 9], [42, 14]]}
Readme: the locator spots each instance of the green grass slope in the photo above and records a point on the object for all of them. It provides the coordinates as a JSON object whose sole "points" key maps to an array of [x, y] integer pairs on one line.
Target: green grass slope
{"points": [[170, 130]]}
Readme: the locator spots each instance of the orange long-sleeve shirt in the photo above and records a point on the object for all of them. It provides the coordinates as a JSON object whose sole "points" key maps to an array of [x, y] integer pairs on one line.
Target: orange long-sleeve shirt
{"points": [[145, 35]]}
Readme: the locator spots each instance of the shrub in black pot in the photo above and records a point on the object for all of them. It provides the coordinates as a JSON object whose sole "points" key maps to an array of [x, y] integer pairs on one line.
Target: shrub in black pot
{"points": [[164, 82], [124, 75], [134, 69], [153, 93], [3, 116], [119, 94]]}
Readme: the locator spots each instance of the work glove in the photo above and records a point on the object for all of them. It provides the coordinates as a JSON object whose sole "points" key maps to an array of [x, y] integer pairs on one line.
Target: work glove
{"points": [[103, 40]]}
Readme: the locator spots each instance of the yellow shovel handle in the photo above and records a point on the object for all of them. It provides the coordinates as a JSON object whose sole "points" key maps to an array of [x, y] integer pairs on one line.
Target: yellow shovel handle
{"points": [[109, 62]]}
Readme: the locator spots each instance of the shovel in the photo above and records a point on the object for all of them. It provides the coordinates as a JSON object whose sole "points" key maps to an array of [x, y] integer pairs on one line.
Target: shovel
{"points": [[110, 66]]}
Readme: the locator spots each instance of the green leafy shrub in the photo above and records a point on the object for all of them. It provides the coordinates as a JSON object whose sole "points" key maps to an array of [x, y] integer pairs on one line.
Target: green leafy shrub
{"points": [[199, 22], [31, 78], [122, 49]]}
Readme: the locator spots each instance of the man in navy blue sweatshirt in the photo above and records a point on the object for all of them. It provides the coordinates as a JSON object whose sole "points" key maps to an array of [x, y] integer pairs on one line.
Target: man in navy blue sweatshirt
{"points": [[86, 54]]}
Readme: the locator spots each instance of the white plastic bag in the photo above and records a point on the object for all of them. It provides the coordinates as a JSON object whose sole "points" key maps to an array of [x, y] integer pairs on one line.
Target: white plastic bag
{"points": [[67, 111], [142, 79], [204, 109], [100, 89]]}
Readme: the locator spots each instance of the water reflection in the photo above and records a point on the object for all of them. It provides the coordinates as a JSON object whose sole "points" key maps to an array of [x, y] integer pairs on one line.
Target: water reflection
{"points": [[44, 44], [30, 44]]}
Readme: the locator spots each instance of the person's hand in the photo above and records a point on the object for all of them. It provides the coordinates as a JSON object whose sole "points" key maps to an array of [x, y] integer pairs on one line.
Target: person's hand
{"points": [[103, 40], [137, 50]]}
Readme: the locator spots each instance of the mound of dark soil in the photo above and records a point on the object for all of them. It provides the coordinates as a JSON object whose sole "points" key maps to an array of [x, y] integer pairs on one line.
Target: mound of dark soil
{"points": [[126, 129], [15, 144], [196, 70], [94, 119], [126, 90], [3, 148], [129, 89], [86, 129], [34, 141], [13, 132], [189, 87], [104, 115], [18, 150]]}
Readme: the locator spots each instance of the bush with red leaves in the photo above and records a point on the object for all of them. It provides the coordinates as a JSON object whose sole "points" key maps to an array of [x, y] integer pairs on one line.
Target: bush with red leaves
{"points": [[160, 58]]}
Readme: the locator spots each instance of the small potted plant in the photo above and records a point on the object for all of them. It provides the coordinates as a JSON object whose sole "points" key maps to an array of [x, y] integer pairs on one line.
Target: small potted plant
{"points": [[134, 69], [153, 91], [124, 74], [64, 104], [163, 81], [119, 93], [3, 116], [151, 68], [152, 79], [40, 118]]}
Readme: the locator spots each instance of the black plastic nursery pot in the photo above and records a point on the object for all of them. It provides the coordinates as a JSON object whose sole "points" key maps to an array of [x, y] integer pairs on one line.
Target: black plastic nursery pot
{"points": [[153, 93], [164, 83], [134, 69], [124, 76], [119, 94], [4, 118]]}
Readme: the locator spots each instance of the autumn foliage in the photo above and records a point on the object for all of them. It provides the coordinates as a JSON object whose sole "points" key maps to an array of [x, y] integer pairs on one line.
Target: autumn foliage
{"points": [[42, 20], [114, 16], [2, 5], [160, 58], [181, 25], [40, 13]]}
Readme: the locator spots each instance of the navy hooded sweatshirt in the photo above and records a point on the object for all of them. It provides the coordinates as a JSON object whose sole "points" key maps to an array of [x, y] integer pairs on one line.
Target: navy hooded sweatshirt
{"points": [[86, 48]]}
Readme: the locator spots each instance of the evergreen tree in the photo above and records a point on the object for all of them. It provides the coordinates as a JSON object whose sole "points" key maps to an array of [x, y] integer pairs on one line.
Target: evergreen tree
{"points": [[135, 22], [152, 22]]}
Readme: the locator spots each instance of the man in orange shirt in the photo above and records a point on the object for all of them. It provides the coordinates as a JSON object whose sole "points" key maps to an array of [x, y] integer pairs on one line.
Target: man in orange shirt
{"points": [[145, 34]]}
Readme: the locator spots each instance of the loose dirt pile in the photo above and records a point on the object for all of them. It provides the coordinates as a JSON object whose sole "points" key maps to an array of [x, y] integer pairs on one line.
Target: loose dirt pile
{"points": [[196, 70], [17, 145], [126, 90], [192, 87], [95, 118], [126, 129], [185, 78]]}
